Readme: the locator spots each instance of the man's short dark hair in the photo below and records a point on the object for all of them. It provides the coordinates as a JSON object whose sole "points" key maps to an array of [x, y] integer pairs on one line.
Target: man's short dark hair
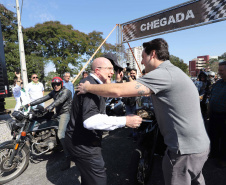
{"points": [[133, 69], [85, 72], [160, 46]]}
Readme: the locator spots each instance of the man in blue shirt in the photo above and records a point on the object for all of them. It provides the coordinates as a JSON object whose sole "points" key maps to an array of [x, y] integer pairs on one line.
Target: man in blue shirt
{"points": [[68, 84]]}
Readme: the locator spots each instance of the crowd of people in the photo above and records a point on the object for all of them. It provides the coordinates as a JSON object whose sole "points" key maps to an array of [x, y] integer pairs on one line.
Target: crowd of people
{"points": [[179, 104]]}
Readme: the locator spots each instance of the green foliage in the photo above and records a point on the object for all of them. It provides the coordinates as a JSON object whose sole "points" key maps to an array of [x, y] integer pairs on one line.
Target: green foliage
{"points": [[179, 63], [51, 41], [94, 40], [9, 32], [10, 103], [49, 78], [77, 81], [213, 63], [223, 56], [9, 25], [58, 43], [35, 65]]}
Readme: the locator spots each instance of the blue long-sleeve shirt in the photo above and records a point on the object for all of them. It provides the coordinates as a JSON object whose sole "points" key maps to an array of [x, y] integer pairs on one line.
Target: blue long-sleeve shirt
{"points": [[69, 85]]}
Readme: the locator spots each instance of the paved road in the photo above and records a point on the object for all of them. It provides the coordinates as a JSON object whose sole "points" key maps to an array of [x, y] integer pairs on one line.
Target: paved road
{"points": [[117, 150]]}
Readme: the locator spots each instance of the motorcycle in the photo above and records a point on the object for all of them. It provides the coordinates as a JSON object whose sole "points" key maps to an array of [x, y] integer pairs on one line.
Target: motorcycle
{"points": [[33, 133], [115, 107], [150, 143]]}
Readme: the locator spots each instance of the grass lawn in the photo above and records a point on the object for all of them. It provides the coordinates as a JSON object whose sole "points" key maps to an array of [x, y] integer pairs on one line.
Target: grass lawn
{"points": [[10, 102]]}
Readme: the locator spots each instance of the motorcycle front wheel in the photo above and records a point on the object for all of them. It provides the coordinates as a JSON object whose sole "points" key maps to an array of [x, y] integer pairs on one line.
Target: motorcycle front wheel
{"points": [[20, 162]]}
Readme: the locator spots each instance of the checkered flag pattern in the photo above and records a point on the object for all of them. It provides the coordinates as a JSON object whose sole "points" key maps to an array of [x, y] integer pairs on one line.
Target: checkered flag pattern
{"points": [[213, 9], [129, 32]]}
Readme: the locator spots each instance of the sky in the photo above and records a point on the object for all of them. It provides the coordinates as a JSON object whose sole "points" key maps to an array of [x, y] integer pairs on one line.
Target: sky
{"points": [[102, 15]]}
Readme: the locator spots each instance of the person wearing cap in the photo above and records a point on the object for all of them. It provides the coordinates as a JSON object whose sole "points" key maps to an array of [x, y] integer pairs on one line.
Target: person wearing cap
{"points": [[62, 104], [117, 67], [88, 120]]}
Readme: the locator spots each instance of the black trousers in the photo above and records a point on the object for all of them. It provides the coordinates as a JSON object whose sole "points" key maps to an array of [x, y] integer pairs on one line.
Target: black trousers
{"points": [[217, 130], [91, 167]]}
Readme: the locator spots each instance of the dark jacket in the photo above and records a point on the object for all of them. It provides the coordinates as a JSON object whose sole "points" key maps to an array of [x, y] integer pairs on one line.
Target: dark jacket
{"points": [[83, 107], [62, 100]]}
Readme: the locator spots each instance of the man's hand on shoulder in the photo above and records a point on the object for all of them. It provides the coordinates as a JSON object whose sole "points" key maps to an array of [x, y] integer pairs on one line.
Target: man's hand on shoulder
{"points": [[82, 87], [133, 121]]}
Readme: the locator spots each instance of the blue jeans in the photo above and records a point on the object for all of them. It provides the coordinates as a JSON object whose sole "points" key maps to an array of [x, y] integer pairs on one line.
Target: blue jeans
{"points": [[63, 121]]}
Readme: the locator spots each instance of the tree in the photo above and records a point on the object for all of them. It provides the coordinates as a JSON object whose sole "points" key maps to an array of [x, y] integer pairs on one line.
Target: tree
{"points": [[49, 78], [35, 64], [11, 47], [94, 40], [213, 64], [179, 63], [58, 43]]}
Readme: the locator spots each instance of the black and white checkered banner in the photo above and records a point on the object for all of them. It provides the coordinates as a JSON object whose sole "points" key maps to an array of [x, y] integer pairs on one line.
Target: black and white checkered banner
{"points": [[183, 16]]}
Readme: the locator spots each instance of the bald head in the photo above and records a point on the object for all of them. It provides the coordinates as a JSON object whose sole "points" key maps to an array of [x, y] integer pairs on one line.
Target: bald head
{"points": [[100, 62], [103, 69]]}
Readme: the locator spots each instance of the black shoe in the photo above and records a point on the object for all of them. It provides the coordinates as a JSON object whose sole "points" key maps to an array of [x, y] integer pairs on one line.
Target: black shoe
{"points": [[66, 164]]}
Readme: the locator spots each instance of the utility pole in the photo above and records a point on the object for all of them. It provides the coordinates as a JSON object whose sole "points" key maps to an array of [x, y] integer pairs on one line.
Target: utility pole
{"points": [[21, 47]]}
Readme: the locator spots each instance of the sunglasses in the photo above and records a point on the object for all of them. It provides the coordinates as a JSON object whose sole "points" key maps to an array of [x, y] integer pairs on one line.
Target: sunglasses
{"points": [[58, 84], [35, 77]]}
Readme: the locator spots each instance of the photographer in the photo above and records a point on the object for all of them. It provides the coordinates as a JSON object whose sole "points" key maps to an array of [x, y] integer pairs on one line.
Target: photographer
{"points": [[130, 102], [132, 75]]}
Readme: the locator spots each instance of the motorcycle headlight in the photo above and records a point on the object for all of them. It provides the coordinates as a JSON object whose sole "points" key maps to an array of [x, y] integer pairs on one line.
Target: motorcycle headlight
{"points": [[18, 115]]}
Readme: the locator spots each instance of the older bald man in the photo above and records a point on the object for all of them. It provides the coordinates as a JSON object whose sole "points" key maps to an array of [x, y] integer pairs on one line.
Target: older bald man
{"points": [[88, 119]]}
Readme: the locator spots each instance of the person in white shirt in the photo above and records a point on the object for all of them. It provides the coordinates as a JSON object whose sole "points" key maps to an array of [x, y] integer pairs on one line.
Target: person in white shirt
{"points": [[19, 93], [87, 122], [35, 89]]}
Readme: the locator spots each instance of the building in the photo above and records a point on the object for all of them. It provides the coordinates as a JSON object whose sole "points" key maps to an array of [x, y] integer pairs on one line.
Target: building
{"points": [[199, 63], [137, 51]]}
